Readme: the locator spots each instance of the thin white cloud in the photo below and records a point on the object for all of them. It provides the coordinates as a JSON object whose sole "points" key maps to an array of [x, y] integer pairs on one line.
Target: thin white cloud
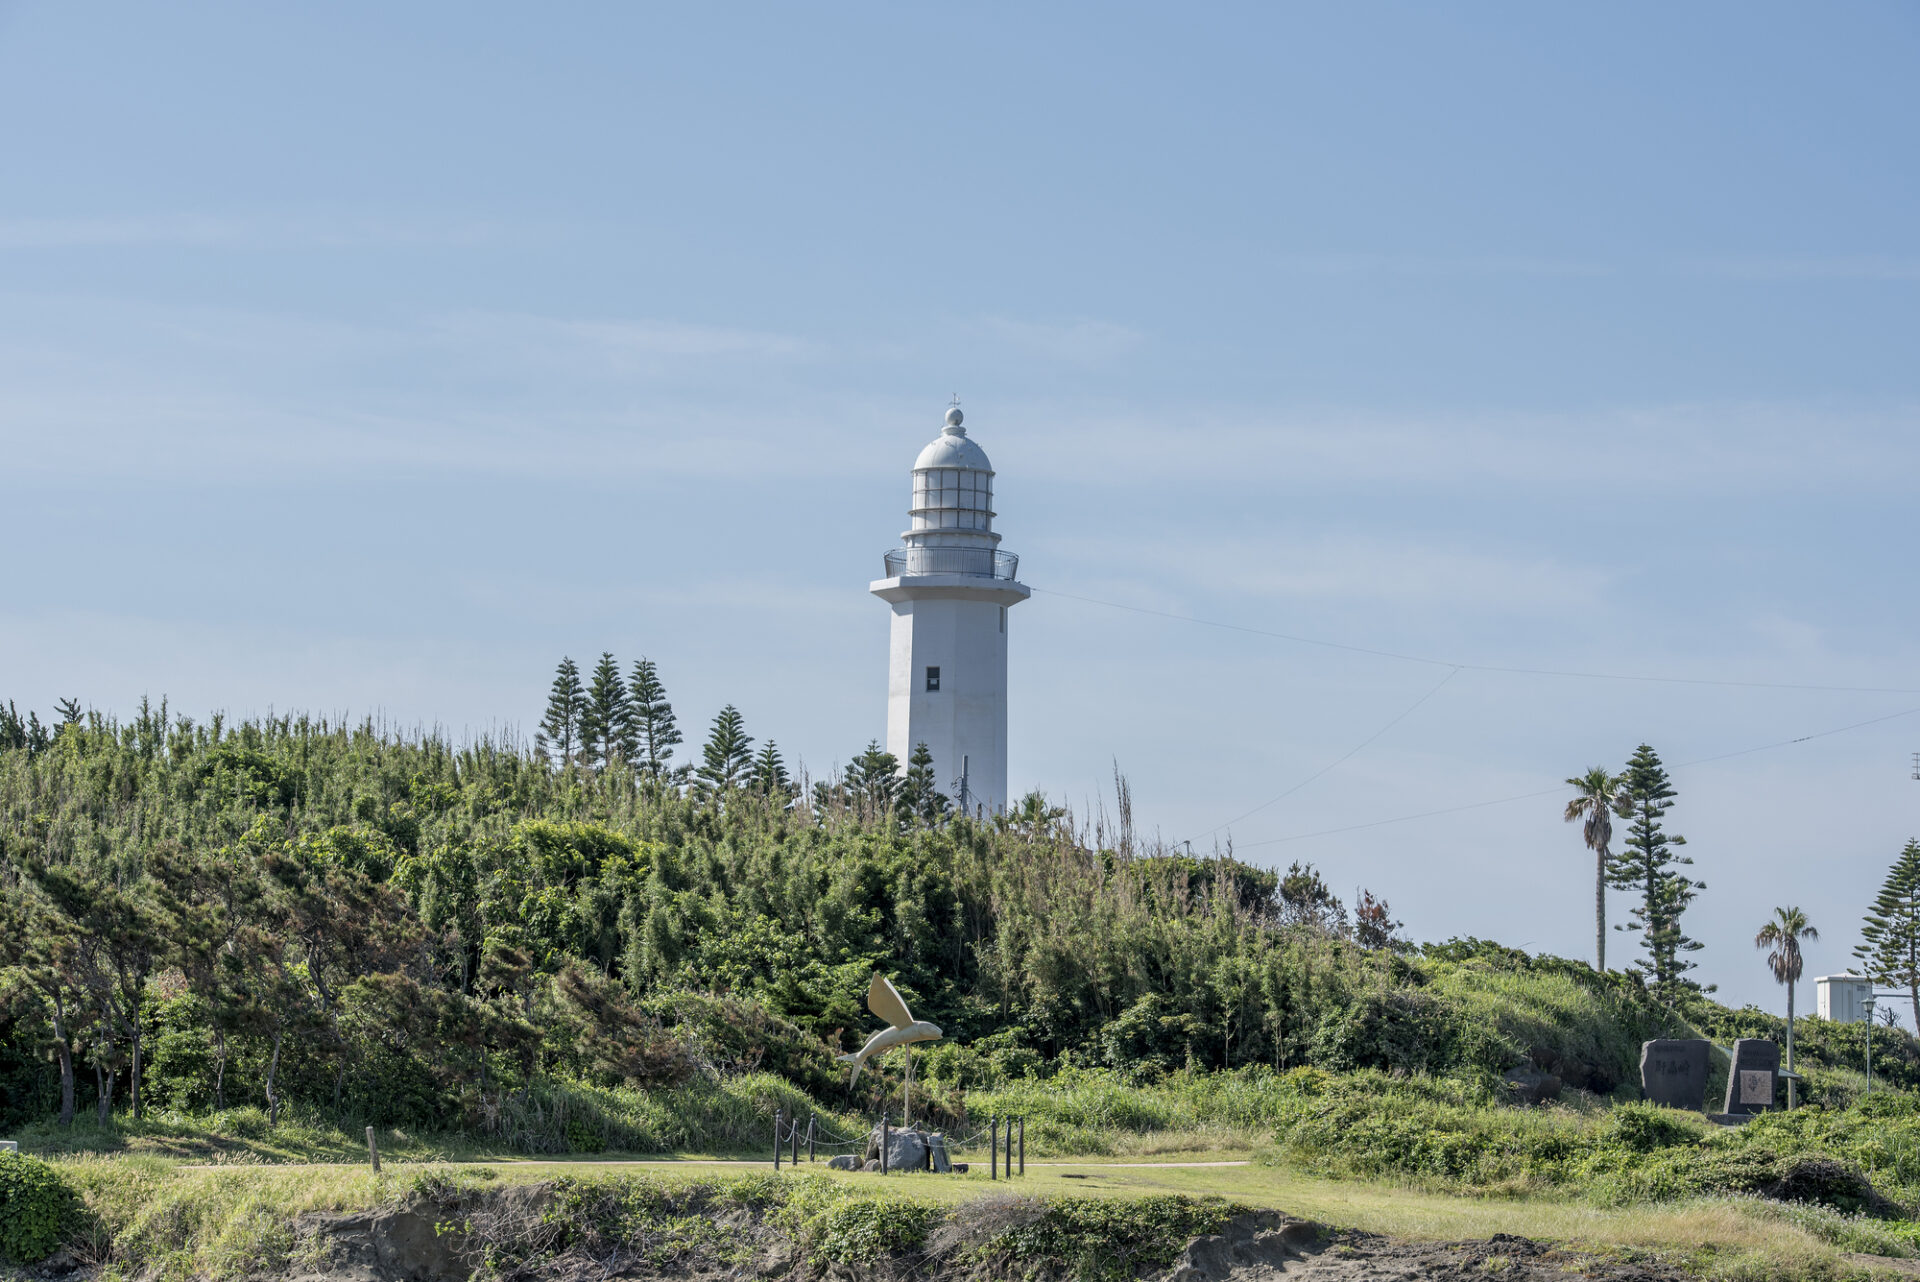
{"points": [[1084, 342], [1870, 267], [210, 232]]}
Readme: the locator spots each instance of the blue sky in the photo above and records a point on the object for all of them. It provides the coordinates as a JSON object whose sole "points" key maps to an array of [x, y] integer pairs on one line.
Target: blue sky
{"points": [[366, 359]]}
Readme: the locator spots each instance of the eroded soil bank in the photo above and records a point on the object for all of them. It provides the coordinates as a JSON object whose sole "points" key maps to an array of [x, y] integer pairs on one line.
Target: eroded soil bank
{"points": [[547, 1232]]}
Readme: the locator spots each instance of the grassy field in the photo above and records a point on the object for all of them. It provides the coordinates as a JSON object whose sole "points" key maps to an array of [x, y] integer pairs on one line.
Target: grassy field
{"points": [[220, 1222]]}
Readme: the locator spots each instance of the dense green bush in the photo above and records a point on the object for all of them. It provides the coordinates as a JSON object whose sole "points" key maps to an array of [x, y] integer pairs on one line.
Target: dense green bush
{"points": [[37, 1209], [1456, 1134]]}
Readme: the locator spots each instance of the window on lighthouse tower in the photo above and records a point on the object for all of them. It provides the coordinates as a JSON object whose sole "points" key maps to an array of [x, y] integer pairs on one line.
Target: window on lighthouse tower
{"points": [[933, 679]]}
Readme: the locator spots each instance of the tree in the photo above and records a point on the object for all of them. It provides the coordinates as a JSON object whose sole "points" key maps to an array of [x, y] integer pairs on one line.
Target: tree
{"points": [[1891, 952], [652, 719], [920, 794], [871, 780], [39, 947], [1649, 865], [727, 759], [770, 777], [606, 720], [1373, 923], [1783, 934], [566, 705], [1306, 900], [1598, 797], [116, 947]]}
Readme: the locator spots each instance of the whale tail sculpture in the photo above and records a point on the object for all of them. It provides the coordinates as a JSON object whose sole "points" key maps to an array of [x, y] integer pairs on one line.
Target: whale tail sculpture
{"points": [[902, 1028]]}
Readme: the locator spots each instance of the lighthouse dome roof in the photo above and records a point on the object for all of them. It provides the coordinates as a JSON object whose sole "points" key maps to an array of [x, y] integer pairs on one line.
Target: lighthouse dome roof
{"points": [[953, 448]]}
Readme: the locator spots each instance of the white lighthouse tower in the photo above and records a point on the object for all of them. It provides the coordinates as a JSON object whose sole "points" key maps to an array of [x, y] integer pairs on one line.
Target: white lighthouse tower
{"points": [[950, 588]]}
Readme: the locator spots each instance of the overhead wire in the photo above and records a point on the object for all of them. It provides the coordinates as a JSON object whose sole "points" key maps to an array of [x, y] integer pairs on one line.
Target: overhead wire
{"points": [[1453, 669], [1349, 755], [1561, 788], [1509, 669]]}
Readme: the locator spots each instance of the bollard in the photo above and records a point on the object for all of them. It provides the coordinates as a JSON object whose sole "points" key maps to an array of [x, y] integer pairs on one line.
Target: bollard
{"points": [[1023, 1144], [776, 1139], [993, 1148], [793, 1132], [886, 1133], [373, 1151], [809, 1138]]}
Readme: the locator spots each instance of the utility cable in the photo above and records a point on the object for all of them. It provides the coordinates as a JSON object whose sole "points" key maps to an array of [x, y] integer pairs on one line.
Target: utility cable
{"points": [[1511, 670], [1349, 755], [1561, 789]]}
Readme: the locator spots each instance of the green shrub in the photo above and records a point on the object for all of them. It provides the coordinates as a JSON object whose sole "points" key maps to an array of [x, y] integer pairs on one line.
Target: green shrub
{"points": [[1109, 1238], [37, 1209], [866, 1230]]}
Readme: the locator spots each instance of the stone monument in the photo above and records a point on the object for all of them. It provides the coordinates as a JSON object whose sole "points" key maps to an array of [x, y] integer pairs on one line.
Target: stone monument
{"points": [[1752, 1079], [1673, 1072]]}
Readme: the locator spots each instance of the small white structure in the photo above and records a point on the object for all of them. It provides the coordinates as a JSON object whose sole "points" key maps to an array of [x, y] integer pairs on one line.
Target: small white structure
{"points": [[950, 588], [1843, 998]]}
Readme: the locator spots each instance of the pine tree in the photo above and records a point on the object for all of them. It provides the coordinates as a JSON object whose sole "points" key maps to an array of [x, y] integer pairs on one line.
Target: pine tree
{"points": [[770, 776], [652, 718], [920, 795], [872, 780], [727, 760], [1891, 953], [566, 704], [1649, 865], [607, 732]]}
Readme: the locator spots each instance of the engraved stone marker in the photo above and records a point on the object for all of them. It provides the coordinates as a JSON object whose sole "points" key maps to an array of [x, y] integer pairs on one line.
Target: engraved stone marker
{"points": [[1673, 1072], [1752, 1079]]}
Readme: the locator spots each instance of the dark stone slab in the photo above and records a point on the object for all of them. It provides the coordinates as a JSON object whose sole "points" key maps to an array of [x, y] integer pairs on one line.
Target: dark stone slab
{"points": [[1753, 1079], [1673, 1071]]}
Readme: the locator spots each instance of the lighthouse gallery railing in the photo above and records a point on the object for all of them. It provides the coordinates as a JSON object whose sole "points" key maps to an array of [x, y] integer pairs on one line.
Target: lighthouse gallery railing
{"points": [[982, 562]]}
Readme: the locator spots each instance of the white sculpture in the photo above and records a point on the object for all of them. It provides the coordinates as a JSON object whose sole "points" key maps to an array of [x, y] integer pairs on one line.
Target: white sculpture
{"points": [[902, 1028]]}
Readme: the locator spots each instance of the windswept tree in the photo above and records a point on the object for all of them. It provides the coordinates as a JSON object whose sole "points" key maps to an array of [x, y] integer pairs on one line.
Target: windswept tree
{"points": [[566, 704], [1890, 953], [1782, 935], [1598, 797], [1652, 866], [652, 717], [1374, 925], [726, 762], [606, 719]]}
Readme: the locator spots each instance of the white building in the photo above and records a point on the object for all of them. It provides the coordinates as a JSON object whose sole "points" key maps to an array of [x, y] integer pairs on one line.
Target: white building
{"points": [[950, 588], [1842, 998]]}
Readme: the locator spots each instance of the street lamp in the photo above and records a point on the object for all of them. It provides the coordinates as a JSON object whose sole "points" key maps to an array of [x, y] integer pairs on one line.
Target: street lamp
{"points": [[1867, 1005]]}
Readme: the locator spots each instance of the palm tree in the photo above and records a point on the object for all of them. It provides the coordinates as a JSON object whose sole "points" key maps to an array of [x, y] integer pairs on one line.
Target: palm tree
{"points": [[1599, 797], [1783, 935]]}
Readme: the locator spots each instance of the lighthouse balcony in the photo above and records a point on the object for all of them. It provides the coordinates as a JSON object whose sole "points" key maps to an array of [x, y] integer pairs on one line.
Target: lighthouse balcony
{"points": [[985, 563]]}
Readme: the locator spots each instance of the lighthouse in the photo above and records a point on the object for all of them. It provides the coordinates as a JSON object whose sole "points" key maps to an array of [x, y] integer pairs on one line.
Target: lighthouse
{"points": [[950, 587]]}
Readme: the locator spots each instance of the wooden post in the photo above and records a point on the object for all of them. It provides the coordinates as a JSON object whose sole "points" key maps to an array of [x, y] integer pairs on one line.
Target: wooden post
{"points": [[1023, 1144], [886, 1133], [993, 1148], [809, 1138], [373, 1151], [776, 1139]]}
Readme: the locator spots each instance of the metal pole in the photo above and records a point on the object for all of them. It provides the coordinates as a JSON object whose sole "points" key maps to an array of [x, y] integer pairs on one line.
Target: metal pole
{"points": [[886, 1133], [809, 1138], [907, 1120], [993, 1148], [373, 1151], [793, 1134], [1023, 1144], [776, 1139]]}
